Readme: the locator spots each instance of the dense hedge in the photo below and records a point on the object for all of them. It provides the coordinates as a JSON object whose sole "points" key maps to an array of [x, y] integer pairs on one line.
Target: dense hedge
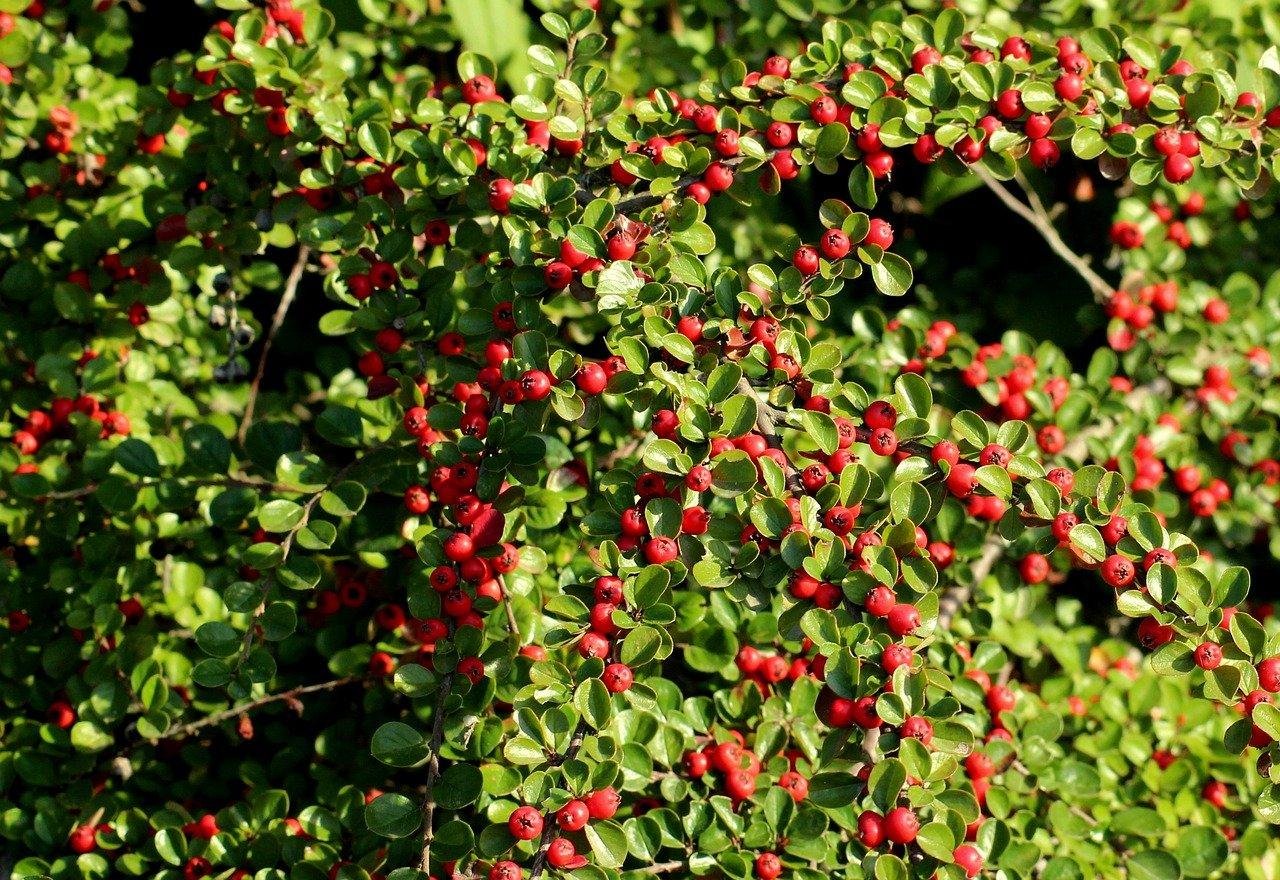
{"points": [[634, 459]]}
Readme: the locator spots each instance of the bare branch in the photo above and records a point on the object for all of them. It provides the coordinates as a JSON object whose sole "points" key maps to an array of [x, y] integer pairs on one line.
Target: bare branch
{"points": [[1039, 217], [277, 320]]}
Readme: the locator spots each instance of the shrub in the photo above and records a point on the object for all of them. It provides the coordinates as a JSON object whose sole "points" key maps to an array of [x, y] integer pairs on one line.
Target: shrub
{"points": [[419, 470]]}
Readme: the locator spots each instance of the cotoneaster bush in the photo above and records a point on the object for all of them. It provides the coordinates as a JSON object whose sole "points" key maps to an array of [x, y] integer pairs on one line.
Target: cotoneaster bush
{"points": [[414, 470]]}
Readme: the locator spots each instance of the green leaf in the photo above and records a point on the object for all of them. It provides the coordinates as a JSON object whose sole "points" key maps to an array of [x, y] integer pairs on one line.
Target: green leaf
{"points": [[280, 515], [454, 839], [1201, 851], [1267, 717], [137, 457], [915, 393], [591, 699], [935, 839], [885, 782], [393, 815], [892, 275], [375, 139], [732, 474], [738, 415], [459, 786], [832, 790], [399, 745], [1087, 540], [641, 645], [608, 843], [218, 639], [1153, 865], [207, 449]]}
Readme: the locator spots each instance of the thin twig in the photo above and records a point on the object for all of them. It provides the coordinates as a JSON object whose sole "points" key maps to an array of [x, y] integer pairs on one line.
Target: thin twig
{"points": [[433, 774], [1038, 216], [242, 482], [277, 320], [183, 730], [660, 868], [512, 625], [955, 596]]}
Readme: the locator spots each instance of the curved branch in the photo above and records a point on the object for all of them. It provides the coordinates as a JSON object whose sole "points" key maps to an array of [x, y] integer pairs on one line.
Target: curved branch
{"points": [[1038, 216], [183, 730]]}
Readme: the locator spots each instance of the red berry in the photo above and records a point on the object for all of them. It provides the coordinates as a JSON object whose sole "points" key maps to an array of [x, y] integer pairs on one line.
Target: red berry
{"points": [[563, 854], [661, 550], [525, 823], [604, 804], [805, 259], [924, 57], [879, 234], [1178, 168], [871, 829], [768, 866], [1208, 655], [506, 870], [617, 678], [823, 110], [903, 619], [573, 816], [1034, 568], [1269, 674], [901, 825], [591, 379], [1118, 571], [968, 859]]}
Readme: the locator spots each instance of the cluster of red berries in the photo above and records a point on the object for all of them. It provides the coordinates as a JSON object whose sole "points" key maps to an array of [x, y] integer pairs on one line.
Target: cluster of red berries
{"points": [[527, 823], [766, 670], [280, 15], [937, 339], [1135, 312], [572, 263], [1203, 498], [1176, 229], [1021, 376], [835, 244], [1148, 468], [42, 425], [598, 641], [738, 768]]}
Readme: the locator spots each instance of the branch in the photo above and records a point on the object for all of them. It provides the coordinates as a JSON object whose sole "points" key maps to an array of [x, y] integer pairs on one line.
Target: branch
{"points": [[955, 596], [183, 730], [549, 829], [660, 868], [433, 774], [277, 320], [1038, 216], [243, 482]]}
